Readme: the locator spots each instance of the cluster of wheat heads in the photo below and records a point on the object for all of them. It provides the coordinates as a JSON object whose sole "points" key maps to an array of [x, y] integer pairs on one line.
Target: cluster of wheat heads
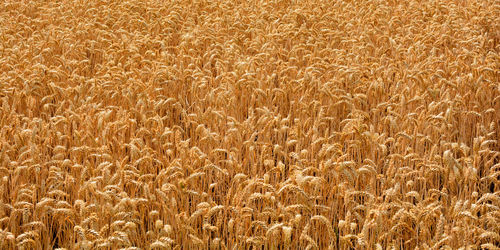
{"points": [[249, 124]]}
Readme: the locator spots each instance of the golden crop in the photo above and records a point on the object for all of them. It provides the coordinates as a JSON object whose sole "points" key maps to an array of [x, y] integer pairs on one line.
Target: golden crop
{"points": [[195, 124]]}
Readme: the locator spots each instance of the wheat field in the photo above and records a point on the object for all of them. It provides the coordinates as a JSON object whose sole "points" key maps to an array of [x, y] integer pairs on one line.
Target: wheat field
{"points": [[231, 124]]}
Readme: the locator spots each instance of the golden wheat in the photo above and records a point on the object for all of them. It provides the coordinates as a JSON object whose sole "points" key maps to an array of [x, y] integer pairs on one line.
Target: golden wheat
{"points": [[193, 124]]}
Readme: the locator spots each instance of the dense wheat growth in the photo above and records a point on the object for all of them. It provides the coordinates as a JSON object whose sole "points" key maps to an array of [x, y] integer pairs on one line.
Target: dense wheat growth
{"points": [[226, 124]]}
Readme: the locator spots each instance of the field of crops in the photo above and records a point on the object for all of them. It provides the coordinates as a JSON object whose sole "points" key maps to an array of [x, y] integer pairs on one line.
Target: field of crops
{"points": [[231, 124]]}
